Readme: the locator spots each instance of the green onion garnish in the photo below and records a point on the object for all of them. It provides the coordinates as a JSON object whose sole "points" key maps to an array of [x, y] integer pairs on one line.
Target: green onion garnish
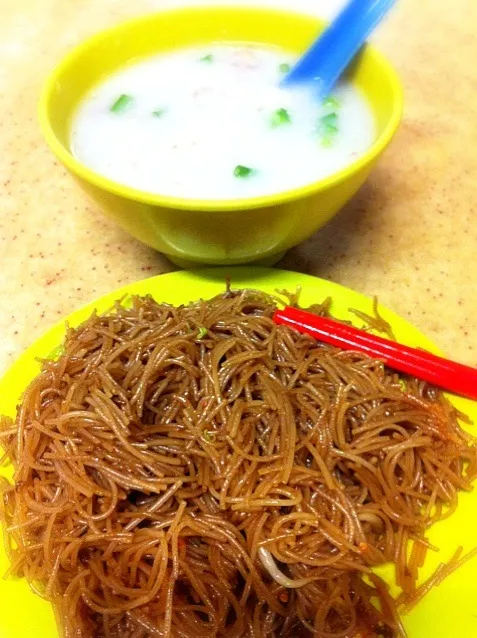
{"points": [[279, 117], [122, 103], [202, 332], [328, 128], [159, 112], [243, 171], [209, 436], [56, 353], [284, 67], [329, 122], [327, 141], [207, 58], [331, 102]]}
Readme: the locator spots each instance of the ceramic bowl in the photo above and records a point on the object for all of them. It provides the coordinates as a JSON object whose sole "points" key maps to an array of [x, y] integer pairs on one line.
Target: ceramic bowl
{"points": [[196, 232]]}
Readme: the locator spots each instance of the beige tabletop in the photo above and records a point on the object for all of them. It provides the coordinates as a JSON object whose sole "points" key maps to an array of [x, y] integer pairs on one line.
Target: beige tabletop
{"points": [[409, 237]]}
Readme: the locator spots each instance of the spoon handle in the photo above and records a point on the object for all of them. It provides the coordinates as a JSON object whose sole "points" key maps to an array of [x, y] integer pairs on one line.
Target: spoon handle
{"points": [[324, 62]]}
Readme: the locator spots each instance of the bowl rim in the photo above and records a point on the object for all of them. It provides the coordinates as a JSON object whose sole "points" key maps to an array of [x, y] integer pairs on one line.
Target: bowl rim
{"points": [[209, 205]]}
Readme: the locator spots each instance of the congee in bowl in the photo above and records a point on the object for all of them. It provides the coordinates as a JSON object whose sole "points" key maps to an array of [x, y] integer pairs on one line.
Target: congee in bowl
{"points": [[214, 123], [176, 126]]}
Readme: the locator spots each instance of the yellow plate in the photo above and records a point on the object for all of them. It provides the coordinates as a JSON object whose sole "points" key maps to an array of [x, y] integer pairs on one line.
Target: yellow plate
{"points": [[449, 610]]}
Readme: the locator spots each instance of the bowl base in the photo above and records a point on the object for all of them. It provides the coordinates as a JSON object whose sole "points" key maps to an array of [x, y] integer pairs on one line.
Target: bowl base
{"points": [[271, 260]]}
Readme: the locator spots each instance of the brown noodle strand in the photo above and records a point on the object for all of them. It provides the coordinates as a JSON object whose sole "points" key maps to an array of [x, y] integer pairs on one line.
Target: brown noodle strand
{"points": [[199, 471]]}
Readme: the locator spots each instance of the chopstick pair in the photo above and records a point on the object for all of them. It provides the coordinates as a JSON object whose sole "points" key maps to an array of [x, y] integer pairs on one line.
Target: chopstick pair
{"points": [[448, 375]]}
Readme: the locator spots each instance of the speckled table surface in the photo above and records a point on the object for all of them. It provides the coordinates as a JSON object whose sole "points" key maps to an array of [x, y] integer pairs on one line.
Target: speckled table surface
{"points": [[409, 236]]}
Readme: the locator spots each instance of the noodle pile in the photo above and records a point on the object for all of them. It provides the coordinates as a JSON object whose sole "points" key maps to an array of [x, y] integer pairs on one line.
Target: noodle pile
{"points": [[199, 472]]}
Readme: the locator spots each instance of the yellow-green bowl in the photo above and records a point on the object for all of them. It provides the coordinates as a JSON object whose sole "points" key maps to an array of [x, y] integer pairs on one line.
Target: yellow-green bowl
{"points": [[193, 232]]}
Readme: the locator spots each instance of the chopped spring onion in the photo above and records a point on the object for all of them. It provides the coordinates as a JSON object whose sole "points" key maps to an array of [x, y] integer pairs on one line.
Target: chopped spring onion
{"points": [[331, 102], [328, 127], [122, 103], [284, 67], [202, 332], [159, 112], [279, 117], [243, 171], [329, 122], [209, 436], [56, 353], [207, 58]]}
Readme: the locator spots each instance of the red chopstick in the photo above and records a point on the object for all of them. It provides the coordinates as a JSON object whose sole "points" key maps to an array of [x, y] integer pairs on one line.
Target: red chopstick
{"points": [[448, 375]]}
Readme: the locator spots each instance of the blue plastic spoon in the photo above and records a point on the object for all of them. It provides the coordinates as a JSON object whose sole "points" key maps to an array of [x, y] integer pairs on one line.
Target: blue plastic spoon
{"points": [[328, 57]]}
